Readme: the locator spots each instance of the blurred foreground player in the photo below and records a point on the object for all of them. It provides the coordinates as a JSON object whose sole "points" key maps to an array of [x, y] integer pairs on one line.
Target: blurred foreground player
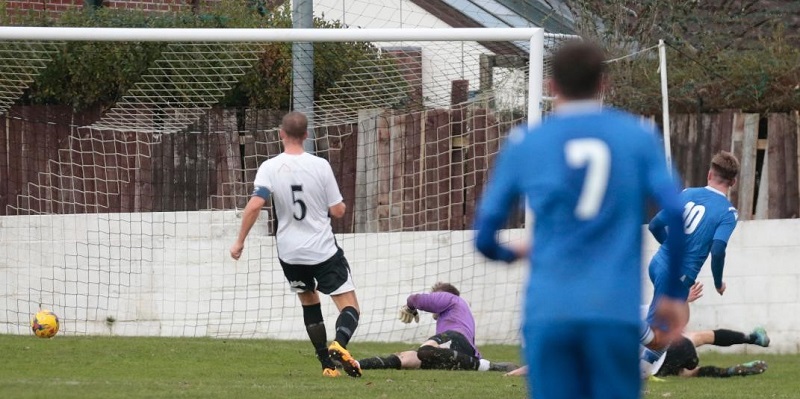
{"points": [[586, 173]]}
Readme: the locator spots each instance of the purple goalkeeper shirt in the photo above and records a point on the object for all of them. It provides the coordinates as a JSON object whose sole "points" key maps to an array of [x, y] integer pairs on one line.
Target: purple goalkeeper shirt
{"points": [[454, 313]]}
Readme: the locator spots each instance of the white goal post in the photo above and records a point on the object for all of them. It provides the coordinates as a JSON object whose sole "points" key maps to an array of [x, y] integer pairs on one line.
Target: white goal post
{"points": [[122, 226], [267, 35]]}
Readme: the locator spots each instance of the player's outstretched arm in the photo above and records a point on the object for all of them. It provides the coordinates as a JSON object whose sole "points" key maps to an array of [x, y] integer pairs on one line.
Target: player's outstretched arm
{"points": [[518, 372], [718, 264], [498, 199], [671, 309], [249, 217], [664, 189], [719, 245], [433, 302], [336, 206], [658, 228], [695, 292], [487, 244], [337, 211]]}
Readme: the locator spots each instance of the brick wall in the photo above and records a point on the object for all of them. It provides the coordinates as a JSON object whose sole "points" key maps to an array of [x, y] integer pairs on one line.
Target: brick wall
{"points": [[40, 5], [54, 7]]}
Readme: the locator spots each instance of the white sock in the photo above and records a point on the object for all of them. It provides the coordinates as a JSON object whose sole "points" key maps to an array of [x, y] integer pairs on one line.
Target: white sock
{"points": [[645, 369], [484, 365]]}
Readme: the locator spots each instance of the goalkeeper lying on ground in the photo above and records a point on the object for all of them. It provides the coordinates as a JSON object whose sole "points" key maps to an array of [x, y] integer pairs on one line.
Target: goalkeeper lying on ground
{"points": [[453, 346]]}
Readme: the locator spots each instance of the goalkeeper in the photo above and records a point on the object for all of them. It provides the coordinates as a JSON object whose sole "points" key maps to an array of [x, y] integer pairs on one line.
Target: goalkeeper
{"points": [[453, 346]]}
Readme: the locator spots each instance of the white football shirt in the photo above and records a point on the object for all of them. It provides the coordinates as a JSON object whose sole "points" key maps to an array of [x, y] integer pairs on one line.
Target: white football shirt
{"points": [[303, 188]]}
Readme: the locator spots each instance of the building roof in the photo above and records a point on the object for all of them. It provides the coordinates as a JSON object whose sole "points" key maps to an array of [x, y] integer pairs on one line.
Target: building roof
{"points": [[551, 15]]}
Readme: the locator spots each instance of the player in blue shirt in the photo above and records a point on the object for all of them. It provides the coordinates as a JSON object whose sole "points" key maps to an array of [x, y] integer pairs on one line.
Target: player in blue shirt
{"points": [[708, 222], [586, 172]]}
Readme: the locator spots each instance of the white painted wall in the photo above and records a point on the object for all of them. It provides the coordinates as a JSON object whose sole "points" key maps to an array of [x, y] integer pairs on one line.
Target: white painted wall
{"points": [[762, 274], [168, 274]]}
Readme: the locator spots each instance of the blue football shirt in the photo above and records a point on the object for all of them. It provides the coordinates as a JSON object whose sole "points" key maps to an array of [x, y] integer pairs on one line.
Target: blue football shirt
{"points": [[708, 215], [586, 172]]}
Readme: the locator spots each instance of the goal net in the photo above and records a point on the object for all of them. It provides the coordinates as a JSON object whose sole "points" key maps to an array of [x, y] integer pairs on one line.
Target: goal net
{"points": [[119, 218]]}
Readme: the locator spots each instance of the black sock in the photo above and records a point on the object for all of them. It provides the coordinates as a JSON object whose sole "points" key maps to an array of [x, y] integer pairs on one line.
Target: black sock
{"points": [[713, 371], [377, 362], [346, 324], [315, 327], [723, 337], [446, 359]]}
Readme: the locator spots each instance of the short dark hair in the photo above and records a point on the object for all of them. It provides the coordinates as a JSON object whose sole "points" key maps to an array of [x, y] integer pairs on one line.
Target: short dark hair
{"points": [[295, 124], [578, 69], [445, 287], [725, 166]]}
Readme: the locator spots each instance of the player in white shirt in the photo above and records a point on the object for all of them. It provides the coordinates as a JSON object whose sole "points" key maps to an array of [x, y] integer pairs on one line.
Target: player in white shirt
{"points": [[305, 195]]}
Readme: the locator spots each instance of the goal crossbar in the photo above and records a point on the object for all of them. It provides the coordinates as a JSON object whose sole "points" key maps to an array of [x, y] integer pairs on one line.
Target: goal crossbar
{"points": [[264, 35]]}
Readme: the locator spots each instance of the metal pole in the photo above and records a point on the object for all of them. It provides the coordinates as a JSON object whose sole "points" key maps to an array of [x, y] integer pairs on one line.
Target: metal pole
{"points": [[303, 68], [662, 66], [535, 90], [535, 78]]}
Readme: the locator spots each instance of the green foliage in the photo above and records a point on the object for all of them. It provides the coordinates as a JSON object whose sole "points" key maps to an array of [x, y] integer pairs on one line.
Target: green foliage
{"points": [[721, 54], [777, 382], [269, 84], [88, 74]]}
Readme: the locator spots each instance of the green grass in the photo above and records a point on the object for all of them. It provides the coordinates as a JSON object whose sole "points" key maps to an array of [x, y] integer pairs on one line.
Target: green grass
{"points": [[118, 367], [779, 381]]}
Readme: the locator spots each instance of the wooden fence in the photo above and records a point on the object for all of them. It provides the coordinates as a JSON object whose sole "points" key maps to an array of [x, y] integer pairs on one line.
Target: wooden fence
{"points": [[767, 148], [397, 172]]}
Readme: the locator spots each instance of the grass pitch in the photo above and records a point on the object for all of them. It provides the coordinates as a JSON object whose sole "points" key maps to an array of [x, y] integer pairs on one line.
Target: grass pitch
{"points": [[121, 367]]}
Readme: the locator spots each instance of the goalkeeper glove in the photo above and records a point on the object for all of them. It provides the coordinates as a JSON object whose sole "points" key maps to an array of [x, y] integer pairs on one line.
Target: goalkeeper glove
{"points": [[407, 314]]}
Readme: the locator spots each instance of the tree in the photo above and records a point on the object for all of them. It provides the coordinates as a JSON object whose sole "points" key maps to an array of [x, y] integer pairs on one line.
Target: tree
{"points": [[722, 54], [97, 74]]}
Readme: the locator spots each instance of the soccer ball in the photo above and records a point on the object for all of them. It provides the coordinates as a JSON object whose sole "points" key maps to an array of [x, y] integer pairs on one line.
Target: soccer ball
{"points": [[45, 324]]}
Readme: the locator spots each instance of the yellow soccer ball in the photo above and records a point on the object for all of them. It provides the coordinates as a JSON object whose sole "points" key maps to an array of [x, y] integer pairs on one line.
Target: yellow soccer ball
{"points": [[45, 324]]}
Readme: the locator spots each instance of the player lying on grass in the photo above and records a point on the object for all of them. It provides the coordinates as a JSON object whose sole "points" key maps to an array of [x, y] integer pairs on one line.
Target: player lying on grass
{"points": [[453, 346], [681, 358]]}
